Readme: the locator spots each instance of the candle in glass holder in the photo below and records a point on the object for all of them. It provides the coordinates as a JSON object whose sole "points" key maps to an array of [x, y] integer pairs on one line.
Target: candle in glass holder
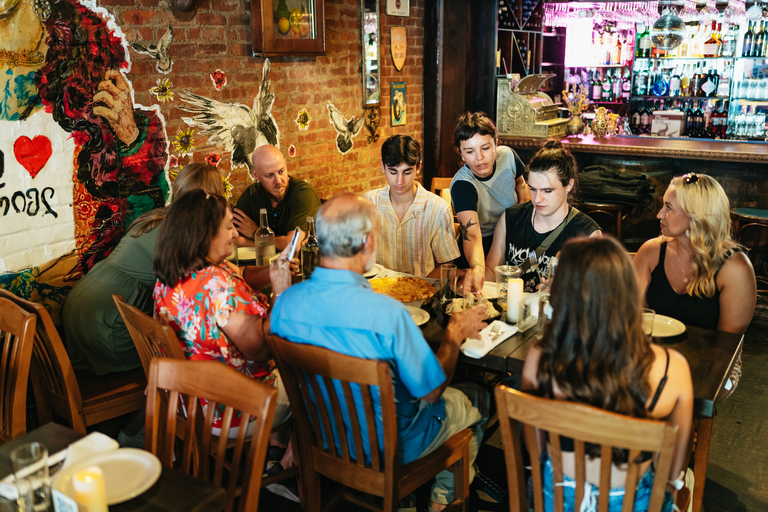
{"points": [[90, 492], [514, 296]]}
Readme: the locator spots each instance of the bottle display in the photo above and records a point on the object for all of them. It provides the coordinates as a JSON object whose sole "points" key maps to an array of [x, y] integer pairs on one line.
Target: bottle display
{"points": [[310, 251], [264, 240]]}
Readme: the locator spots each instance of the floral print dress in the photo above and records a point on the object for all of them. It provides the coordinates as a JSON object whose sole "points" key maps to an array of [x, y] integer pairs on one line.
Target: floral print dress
{"points": [[199, 306]]}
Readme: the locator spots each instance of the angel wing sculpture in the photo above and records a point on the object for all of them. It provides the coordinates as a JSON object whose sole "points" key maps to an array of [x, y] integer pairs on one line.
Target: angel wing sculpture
{"points": [[346, 129], [236, 127]]}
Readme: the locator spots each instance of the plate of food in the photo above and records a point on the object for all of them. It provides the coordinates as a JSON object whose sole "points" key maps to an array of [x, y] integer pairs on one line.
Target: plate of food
{"points": [[460, 303], [244, 255], [403, 288], [374, 271], [666, 327], [420, 317]]}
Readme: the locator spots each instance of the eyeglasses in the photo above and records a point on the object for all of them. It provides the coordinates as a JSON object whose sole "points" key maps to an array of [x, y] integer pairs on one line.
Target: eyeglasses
{"points": [[690, 178]]}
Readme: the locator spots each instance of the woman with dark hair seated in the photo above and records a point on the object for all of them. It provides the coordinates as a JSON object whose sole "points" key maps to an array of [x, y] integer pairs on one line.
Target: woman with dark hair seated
{"points": [[594, 351], [215, 314], [96, 336], [694, 271], [542, 225]]}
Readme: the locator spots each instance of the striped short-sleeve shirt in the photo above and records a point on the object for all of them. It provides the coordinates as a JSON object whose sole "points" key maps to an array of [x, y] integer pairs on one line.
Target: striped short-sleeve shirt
{"points": [[420, 241]]}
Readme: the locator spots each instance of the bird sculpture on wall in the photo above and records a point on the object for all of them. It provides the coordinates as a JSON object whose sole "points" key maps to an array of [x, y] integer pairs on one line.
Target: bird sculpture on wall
{"points": [[346, 129], [233, 126], [159, 51]]}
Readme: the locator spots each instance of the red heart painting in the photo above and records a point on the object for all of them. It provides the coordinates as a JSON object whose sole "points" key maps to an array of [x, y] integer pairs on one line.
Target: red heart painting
{"points": [[32, 154]]}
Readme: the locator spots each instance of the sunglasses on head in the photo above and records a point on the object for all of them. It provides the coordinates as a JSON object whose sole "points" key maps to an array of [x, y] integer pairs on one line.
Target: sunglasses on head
{"points": [[690, 178]]}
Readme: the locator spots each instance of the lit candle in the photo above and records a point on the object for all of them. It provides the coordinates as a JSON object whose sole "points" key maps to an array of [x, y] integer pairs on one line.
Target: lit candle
{"points": [[89, 489], [514, 296]]}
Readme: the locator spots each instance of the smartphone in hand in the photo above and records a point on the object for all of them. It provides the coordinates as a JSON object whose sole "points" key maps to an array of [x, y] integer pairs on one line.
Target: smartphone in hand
{"points": [[294, 244]]}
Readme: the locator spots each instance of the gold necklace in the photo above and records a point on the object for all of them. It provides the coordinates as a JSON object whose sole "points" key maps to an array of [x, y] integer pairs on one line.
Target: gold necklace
{"points": [[682, 269], [30, 57]]}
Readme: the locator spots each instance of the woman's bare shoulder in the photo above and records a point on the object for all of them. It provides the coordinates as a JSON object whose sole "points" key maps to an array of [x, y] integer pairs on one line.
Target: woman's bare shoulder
{"points": [[736, 269], [648, 254]]}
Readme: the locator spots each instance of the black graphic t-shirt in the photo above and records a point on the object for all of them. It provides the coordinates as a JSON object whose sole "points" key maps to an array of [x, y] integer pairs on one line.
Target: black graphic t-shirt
{"points": [[522, 238]]}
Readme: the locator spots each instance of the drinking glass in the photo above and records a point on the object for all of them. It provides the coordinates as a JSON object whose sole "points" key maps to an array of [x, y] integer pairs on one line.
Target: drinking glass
{"points": [[30, 467], [649, 316], [447, 282]]}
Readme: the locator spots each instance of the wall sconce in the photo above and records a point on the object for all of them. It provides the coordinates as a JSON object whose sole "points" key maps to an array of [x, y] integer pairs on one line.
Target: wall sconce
{"points": [[184, 10]]}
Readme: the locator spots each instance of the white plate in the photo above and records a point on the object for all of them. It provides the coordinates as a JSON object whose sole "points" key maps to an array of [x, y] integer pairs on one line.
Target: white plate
{"points": [[490, 290], [665, 327], [244, 254], [419, 315], [128, 472], [374, 271]]}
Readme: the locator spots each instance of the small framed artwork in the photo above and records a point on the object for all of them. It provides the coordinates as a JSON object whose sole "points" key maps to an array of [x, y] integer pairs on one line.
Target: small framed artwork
{"points": [[288, 27], [397, 103], [398, 7]]}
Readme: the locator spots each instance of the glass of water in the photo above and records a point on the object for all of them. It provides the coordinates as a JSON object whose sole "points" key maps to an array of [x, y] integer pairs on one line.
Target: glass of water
{"points": [[30, 467]]}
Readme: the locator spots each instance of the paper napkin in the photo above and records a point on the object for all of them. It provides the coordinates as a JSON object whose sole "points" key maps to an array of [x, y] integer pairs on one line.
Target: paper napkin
{"points": [[477, 348]]}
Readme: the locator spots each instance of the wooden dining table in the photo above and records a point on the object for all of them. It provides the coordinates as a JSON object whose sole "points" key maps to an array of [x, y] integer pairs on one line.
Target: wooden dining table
{"points": [[711, 356], [172, 492]]}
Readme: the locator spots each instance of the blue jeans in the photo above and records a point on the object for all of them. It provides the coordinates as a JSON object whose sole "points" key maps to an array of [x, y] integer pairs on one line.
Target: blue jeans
{"points": [[642, 496]]}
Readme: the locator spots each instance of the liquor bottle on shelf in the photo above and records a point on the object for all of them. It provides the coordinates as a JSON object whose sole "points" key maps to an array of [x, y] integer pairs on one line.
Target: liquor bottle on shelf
{"points": [[626, 87], [644, 42], [757, 44], [712, 46], [607, 86], [634, 121], [641, 82], [660, 85], [698, 119], [685, 81], [675, 84], [724, 86], [696, 81], [729, 42], [597, 87], [617, 80], [586, 83], [617, 51], [709, 84], [749, 36], [645, 119]]}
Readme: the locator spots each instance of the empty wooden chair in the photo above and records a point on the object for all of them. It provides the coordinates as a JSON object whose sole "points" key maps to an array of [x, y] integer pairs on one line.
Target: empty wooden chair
{"points": [[17, 336], [583, 424], [77, 396], [441, 187], [171, 381], [152, 338], [345, 463]]}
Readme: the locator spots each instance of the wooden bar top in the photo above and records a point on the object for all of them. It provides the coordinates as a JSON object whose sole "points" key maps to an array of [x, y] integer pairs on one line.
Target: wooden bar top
{"points": [[630, 145]]}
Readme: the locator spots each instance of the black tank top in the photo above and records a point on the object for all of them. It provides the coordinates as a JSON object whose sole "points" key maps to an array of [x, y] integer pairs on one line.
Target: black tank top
{"points": [[664, 300]]}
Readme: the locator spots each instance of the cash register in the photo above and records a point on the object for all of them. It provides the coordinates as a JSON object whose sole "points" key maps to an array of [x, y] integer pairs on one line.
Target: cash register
{"points": [[524, 111]]}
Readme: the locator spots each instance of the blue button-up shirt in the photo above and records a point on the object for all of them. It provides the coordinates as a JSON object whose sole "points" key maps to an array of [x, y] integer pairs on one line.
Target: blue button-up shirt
{"points": [[338, 310]]}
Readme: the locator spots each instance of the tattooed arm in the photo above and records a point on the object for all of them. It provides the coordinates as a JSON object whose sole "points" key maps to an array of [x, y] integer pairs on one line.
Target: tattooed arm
{"points": [[472, 240], [496, 254]]}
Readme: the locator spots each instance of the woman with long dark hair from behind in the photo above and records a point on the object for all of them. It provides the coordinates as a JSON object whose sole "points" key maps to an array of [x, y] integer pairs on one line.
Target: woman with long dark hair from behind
{"points": [[594, 351]]}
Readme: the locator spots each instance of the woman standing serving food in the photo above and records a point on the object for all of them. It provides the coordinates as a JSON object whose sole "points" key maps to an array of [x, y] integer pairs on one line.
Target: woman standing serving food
{"points": [[542, 225], [694, 271], [490, 181]]}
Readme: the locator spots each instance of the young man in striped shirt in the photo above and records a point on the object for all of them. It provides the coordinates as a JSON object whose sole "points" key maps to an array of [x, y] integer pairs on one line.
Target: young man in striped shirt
{"points": [[417, 233]]}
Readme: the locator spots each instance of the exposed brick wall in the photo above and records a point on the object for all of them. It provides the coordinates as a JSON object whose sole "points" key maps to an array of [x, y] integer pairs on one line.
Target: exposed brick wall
{"points": [[220, 37]]}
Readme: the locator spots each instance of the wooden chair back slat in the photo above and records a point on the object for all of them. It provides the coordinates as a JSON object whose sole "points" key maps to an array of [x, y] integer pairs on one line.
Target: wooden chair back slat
{"points": [[557, 471], [338, 420], [189, 453], [17, 336], [321, 407], [357, 435], [370, 421], [303, 383], [583, 424], [213, 382], [580, 469]]}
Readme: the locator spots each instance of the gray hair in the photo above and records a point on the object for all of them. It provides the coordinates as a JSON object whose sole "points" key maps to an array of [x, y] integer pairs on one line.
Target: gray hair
{"points": [[343, 234]]}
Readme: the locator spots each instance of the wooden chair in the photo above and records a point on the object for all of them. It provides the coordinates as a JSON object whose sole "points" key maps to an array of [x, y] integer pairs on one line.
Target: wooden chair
{"points": [[17, 336], [79, 397], [152, 338], [346, 464], [584, 424], [172, 380], [441, 187]]}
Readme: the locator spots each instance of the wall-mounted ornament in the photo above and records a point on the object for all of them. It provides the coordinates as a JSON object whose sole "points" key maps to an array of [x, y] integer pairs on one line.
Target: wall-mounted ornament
{"points": [[398, 46], [219, 79], [163, 91], [185, 142], [303, 119], [159, 51], [372, 121], [398, 7], [235, 127], [346, 129], [397, 103], [292, 151], [173, 161], [184, 10], [213, 159]]}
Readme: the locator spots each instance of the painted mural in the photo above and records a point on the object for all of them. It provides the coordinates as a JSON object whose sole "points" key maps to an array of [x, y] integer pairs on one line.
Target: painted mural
{"points": [[79, 160]]}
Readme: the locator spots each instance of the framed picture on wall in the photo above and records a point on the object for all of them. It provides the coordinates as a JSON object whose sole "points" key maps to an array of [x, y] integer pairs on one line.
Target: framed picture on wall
{"points": [[398, 7], [397, 103], [288, 27]]}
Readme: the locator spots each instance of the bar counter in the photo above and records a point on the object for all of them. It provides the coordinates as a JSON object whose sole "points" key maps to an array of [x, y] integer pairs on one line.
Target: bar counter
{"points": [[634, 146]]}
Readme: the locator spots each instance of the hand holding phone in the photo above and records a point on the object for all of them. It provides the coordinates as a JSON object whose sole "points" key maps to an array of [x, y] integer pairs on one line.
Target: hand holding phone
{"points": [[294, 244]]}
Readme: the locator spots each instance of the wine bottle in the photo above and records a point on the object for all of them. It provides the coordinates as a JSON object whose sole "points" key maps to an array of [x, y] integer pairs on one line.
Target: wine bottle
{"points": [[310, 252], [757, 44], [264, 240], [698, 117], [749, 35], [634, 120], [645, 119]]}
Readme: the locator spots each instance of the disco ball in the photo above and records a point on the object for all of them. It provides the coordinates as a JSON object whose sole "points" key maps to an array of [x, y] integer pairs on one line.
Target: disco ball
{"points": [[668, 31]]}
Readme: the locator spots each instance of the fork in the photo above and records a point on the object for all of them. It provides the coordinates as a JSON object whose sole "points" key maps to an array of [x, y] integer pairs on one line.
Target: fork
{"points": [[495, 332]]}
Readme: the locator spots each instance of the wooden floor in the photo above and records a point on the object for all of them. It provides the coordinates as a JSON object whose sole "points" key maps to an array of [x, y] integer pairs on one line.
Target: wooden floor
{"points": [[737, 477]]}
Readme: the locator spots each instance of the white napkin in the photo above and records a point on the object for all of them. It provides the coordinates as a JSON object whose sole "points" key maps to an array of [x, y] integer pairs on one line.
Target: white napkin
{"points": [[94, 442], [477, 348]]}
